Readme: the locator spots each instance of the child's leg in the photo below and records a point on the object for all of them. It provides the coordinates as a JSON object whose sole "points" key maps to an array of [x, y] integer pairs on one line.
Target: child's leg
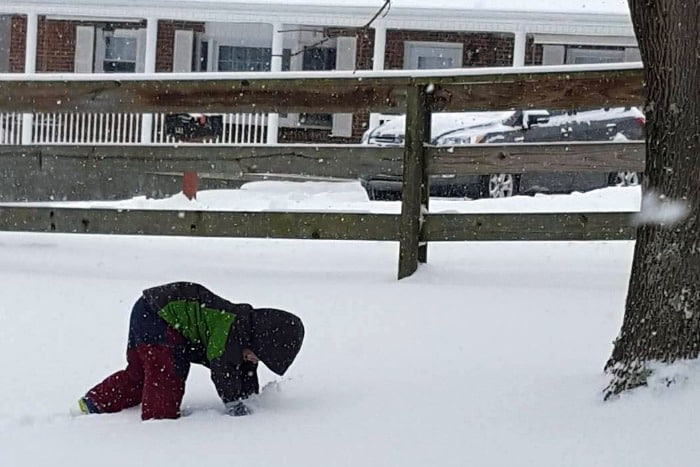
{"points": [[122, 389], [165, 372]]}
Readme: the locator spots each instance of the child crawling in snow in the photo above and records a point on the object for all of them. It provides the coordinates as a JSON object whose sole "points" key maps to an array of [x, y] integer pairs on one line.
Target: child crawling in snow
{"points": [[177, 324]]}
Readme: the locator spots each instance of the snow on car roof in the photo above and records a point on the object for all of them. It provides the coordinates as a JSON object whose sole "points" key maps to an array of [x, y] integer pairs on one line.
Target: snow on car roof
{"points": [[443, 122], [453, 122]]}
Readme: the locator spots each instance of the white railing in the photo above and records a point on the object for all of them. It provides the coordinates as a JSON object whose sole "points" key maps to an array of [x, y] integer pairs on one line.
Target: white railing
{"points": [[10, 128], [245, 128], [117, 128], [86, 128], [238, 128]]}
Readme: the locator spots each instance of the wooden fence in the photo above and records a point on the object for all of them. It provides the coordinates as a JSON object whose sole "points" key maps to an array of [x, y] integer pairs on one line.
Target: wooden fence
{"points": [[417, 95]]}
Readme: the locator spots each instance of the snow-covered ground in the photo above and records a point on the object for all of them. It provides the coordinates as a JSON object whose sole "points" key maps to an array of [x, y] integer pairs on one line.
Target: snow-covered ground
{"points": [[490, 355]]}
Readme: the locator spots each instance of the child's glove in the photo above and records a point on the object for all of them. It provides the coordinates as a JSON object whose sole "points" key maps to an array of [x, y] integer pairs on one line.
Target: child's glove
{"points": [[237, 408]]}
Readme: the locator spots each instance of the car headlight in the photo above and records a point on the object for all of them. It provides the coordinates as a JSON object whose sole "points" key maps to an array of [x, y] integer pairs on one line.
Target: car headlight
{"points": [[454, 141]]}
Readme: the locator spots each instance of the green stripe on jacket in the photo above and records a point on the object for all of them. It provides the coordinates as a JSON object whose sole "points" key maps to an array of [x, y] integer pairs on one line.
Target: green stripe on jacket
{"points": [[200, 325]]}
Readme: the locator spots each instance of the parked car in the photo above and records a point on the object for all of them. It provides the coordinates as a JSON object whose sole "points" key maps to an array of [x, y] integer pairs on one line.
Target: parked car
{"points": [[612, 124]]}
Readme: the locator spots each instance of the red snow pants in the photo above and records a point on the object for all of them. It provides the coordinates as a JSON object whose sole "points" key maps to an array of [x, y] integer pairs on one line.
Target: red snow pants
{"points": [[155, 373], [150, 379]]}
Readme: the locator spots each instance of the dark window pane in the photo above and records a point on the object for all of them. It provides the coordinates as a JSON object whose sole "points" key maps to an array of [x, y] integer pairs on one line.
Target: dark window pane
{"points": [[119, 67], [286, 59], [120, 48], [319, 58], [319, 120], [244, 58], [203, 56], [225, 53]]}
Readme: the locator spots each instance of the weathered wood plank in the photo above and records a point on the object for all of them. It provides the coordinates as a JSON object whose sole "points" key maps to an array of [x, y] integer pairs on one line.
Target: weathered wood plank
{"points": [[417, 134], [529, 226], [485, 159], [558, 89], [301, 225], [554, 90], [322, 95], [339, 161]]}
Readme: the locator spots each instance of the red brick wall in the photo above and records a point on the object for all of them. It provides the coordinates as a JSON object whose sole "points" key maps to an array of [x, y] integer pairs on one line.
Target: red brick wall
{"points": [[19, 32], [480, 49], [365, 50], [55, 46], [166, 41], [56, 43]]}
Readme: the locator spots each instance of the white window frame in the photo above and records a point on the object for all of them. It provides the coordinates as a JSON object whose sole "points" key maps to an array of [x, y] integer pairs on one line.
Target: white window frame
{"points": [[139, 35], [599, 55], [412, 53]]}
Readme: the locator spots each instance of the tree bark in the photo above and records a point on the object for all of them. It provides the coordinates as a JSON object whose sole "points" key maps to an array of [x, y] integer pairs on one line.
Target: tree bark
{"points": [[662, 313]]}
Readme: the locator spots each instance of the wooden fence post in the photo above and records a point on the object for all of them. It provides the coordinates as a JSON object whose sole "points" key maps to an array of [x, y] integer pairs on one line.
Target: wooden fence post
{"points": [[414, 190]]}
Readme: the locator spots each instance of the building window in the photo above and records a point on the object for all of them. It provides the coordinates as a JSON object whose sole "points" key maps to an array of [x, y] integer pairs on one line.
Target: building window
{"points": [[584, 55], [432, 55], [120, 53], [249, 58]]}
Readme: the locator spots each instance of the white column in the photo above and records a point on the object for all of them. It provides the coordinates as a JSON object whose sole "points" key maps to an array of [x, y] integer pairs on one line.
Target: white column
{"points": [[273, 120], [30, 68], [378, 61], [519, 49], [149, 67]]}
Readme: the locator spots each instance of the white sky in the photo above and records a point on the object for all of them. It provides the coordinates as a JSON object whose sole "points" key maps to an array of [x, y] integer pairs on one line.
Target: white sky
{"points": [[578, 6]]}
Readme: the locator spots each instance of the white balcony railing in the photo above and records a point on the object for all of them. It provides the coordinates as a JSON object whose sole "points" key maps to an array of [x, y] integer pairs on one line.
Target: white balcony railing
{"points": [[10, 128], [125, 129]]}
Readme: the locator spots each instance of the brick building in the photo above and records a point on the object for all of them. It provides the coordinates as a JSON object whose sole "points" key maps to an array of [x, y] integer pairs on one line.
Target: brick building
{"points": [[94, 36]]}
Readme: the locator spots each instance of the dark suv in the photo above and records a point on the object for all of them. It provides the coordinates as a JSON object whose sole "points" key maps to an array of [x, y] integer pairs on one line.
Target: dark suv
{"points": [[615, 124]]}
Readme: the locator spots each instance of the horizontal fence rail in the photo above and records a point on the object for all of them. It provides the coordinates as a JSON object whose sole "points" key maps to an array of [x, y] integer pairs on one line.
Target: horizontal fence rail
{"points": [[417, 95], [338, 161], [569, 89], [301, 225], [320, 226], [529, 226], [536, 157]]}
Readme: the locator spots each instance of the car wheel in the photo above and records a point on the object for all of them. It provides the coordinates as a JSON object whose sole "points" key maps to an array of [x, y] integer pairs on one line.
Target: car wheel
{"points": [[624, 179], [500, 186]]}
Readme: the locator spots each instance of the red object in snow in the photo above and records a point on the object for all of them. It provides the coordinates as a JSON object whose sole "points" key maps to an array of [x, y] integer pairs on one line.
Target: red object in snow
{"points": [[189, 184]]}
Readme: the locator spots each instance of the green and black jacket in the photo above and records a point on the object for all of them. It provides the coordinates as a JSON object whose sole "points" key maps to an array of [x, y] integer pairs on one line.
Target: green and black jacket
{"points": [[216, 330]]}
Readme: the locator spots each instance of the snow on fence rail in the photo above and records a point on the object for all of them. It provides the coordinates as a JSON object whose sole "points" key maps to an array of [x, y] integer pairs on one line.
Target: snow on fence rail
{"points": [[416, 96]]}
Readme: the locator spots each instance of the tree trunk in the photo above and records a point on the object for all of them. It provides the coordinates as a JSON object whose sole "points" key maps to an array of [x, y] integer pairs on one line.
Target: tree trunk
{"points": [[662, 314]]}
